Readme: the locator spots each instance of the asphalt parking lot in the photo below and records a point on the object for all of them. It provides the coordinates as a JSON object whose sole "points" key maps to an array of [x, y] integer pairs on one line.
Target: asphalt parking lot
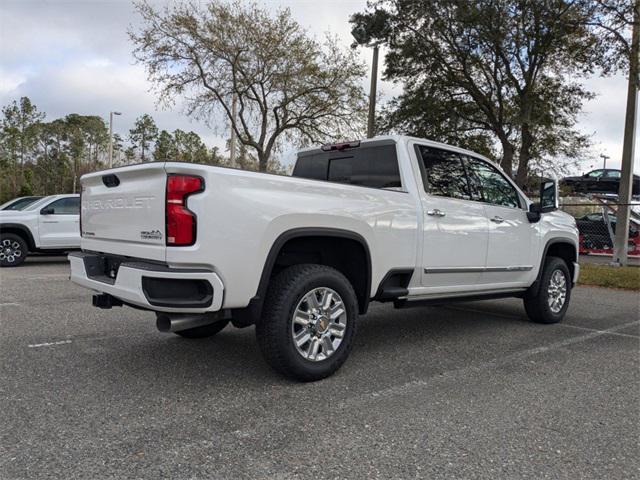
{"points": [[464, 391]]}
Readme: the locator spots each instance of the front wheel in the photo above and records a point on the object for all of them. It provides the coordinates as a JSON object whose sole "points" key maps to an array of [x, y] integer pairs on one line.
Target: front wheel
{"points": [[308, 323], [549, 304], [13, 250]]}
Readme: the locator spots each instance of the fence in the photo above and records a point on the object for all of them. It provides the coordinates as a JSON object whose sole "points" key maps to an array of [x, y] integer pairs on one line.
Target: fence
{"points": [[596, 219]]}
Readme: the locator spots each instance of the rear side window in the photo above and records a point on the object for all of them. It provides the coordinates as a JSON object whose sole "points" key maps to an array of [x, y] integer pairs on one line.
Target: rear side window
{"points": [[313, 166], [444, 173], [374, 167]]}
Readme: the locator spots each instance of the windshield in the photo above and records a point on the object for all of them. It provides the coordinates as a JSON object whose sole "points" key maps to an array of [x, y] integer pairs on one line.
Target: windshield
{"points": [[39, 203], [19, 203]]}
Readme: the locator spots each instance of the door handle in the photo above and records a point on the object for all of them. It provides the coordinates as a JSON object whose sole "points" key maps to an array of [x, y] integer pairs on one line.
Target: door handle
{"points": [[497, 219], [436, 213]]}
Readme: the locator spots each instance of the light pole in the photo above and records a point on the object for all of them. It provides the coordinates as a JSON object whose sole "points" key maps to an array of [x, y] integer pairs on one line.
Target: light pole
{"points": [[604, 158], [371, 121], [628, 145], [369, 35], [111, 114]]}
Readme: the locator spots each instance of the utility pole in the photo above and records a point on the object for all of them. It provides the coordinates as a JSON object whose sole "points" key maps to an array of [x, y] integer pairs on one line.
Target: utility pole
{"points": [[111, 114], [234, 113], [628, 147], [605, 158], [371, 122]]}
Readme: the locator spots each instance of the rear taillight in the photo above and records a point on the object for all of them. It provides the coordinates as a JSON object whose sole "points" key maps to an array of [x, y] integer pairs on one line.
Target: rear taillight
{"points": [[181, 222]]}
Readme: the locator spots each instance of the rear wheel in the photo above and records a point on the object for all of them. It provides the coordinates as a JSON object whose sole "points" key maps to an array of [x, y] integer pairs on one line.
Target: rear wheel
{"points": [[549, 304], [204, 331], [13, 250], [308, 323]]}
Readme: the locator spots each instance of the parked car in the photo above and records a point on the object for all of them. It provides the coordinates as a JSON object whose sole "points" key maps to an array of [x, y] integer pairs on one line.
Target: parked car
{"points": [[599, 181], [19, 203], [389, 219], [49, 225], [595, 232]]}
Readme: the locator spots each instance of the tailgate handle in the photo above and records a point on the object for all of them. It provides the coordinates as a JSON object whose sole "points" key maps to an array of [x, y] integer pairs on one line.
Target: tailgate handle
{"points": [[110, 180]]}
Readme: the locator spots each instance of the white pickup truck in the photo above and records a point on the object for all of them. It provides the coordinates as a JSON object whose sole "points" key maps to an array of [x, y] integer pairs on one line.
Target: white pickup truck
{"points": [[390, 219], [47, 225]]}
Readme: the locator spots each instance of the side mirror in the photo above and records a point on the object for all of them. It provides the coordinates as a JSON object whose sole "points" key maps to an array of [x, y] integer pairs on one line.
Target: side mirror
{"points": [[47, 211], [548, 200], [548, 195], [535, 212]]}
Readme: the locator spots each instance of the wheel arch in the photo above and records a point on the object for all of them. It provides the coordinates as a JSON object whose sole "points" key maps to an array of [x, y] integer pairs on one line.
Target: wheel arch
{"points": [[313, 245], [563, 248], [22, 231]]}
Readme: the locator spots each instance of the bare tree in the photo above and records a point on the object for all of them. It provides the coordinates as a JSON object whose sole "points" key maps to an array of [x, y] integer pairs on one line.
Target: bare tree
{"points": [[287, 84]]}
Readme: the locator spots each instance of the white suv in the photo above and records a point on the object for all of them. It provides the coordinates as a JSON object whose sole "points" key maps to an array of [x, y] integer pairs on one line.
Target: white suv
{"points": [[49, 225]]}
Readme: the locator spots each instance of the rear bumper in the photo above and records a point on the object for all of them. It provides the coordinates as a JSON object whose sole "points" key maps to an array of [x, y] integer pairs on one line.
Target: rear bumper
{"points": [[152, 286]]}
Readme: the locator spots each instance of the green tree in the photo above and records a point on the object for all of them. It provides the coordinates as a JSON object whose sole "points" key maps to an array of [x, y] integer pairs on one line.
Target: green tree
{"points": [[143, 133], [490, 71], [163, 147], [53, 168], [287, 85], [189, 147], [87, 136], [18, 140]]}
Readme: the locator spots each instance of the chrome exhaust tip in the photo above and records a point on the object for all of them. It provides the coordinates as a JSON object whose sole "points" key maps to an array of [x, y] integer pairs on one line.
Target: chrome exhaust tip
{"points": [[175, 322]]}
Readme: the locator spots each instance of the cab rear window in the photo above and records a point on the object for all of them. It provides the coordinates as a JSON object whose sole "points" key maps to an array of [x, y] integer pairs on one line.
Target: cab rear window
{"points": [[374, 167]]}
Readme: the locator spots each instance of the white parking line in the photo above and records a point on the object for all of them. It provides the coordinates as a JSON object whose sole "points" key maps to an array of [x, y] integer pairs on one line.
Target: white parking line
{"points": [[606, 332], [47, 276], [496, 362], [50, 344], [566, 325], [10, 304]]}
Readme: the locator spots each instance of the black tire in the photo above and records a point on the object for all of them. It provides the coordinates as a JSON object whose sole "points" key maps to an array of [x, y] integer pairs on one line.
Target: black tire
{"points": [[537, 305], [205, 331], [273, 331], [13, 250]]}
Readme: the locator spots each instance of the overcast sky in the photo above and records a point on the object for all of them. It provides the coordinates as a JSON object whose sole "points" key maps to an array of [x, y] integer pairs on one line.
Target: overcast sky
{"points": [[75, 57]]}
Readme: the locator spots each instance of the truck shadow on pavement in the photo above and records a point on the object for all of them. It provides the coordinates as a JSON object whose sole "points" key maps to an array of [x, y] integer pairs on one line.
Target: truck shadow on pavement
{"points": [[387, 340]]}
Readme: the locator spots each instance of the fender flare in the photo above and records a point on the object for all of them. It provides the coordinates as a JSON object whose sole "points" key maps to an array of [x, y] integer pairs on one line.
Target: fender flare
{"points": [[535, 286], [253, 310], [24, 230]]}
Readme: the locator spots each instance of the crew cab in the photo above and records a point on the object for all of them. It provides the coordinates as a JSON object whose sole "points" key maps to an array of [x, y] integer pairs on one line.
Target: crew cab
{"points": [[48, 225], [389, 219]]}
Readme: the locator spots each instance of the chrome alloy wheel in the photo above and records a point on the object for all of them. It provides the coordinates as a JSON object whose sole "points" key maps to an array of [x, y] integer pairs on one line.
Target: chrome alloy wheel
{"points": [[319, 324], [10, 250], [557, 291]]}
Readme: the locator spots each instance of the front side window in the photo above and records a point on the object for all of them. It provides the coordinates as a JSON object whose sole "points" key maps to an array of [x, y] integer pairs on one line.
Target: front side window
{"points": [[65, 206], [595, 174], [444, 173], [491, 185]]}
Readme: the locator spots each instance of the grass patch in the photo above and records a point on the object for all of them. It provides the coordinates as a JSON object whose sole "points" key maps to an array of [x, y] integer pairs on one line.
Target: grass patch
{"points": [[607, 276]]}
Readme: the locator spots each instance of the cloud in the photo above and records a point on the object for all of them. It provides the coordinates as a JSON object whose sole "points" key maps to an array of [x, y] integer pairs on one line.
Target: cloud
{"points": [[72, 56]]}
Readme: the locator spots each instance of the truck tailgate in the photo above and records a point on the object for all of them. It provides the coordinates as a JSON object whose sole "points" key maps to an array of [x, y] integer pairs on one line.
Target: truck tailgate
{"points": [[123, 211]]}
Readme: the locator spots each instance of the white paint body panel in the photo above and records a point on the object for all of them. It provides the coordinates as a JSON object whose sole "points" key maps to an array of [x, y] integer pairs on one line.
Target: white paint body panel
{"points": [[240, 215], [128, 285]]}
